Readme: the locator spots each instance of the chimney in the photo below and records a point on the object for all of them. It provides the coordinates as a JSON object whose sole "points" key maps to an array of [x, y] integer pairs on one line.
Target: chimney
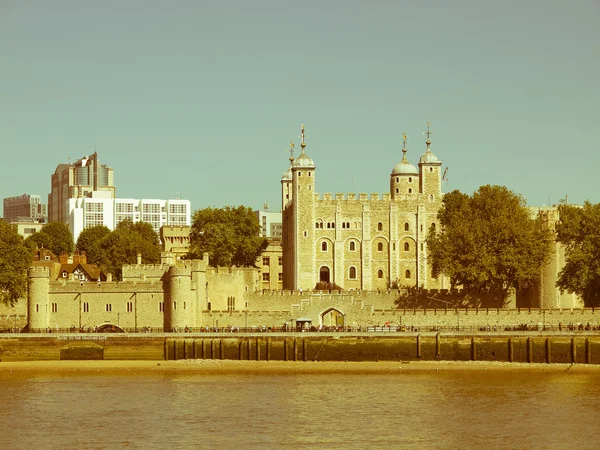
{"points": [[64, 258], [139, 259], [82, 258]]}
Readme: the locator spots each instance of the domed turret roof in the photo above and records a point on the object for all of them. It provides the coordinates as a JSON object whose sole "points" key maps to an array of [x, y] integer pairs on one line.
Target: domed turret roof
{"points": [[303, 161], [404, 167], [287, 175], [428, 157]]}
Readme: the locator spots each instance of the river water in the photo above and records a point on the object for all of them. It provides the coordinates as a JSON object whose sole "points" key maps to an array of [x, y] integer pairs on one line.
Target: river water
{"points": [[448, 409]]}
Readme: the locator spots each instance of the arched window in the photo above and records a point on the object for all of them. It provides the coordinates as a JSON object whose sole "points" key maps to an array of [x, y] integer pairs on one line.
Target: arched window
{"points": [[431, 169], [410, 179], [379, 226], [343, 225], [406, 247], [379, 247], [328, 224], [407, 274], [380, 273], [433, 227], [397, 179], [410, 190], [324, 246], [405, 226], [397, 191], [352, 246], [347, 224], [352, 273]]}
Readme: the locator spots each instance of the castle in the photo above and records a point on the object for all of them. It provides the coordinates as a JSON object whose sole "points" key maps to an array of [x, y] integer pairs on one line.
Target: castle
{"points": [[364, 243]]}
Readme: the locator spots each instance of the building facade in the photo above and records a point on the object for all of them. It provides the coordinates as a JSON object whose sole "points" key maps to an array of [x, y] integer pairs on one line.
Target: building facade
{"points": [[270, 222], [101, 209], [78, 180], [364, 242], [24, 208]]}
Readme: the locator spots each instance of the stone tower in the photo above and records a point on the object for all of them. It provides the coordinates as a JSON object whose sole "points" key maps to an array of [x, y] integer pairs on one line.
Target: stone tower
{"points": [[39, 298], [179, 307], [404, 178], [303, 191], [430, 174]]}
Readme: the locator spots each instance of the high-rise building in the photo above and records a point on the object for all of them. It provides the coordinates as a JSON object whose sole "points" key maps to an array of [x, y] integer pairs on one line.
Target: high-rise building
{"points": [[24, 208], [78, 180], [270, 222], [100, 209]]}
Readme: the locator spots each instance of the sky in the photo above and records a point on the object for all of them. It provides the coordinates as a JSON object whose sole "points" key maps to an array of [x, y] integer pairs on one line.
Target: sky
{"points": [[200, 99]]}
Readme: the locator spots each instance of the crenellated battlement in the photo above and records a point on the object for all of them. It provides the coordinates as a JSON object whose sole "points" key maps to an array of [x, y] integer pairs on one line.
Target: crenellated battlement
{"points": [[38, 272]]}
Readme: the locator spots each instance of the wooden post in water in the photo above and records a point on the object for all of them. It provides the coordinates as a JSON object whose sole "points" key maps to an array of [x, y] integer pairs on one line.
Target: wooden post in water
{"points": [[221, 349], [212, 349], [304, 349], [510, 350], [165, 351], [473, 349], [194, 350], [202, 350], [573, 352], [240, 349], [175, 349], [268, 349], [437, 345], [249, 350], [588, 351], [285, 349], [184, 349], [548, 351], [257, 349], [418, 345], [529, 350], [295, 350]]}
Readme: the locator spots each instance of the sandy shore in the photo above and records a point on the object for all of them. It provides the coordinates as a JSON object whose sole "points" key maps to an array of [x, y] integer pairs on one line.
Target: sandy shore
{"points": [[277, 367]]}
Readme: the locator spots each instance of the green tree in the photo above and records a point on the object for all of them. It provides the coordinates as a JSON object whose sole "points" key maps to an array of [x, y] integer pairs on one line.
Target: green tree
{"points": [[579, 231], [124, 243], [55, 236], [231, 236], [15, 258], [488, 242], [89, 242]]}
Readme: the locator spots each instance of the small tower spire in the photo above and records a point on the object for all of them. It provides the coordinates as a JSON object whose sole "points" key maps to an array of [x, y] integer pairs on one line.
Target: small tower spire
{"points": [[302, 143], [428, 133], [291, 150], [404, 146]]}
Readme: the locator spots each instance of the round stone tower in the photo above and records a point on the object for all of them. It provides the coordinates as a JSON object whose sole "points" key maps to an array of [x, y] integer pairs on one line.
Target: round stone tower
{"points": [[179, 304], [405, 177], [38, 299]]}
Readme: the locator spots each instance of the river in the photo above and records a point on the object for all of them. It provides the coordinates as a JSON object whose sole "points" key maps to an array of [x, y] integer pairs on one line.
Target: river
{"points": [[421, 410]]}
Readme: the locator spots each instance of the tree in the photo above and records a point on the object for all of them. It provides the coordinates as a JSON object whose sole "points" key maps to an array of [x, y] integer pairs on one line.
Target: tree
{"points": [[579, 231], [55, 236], [15, 258], [122, 246], [231, 236], [89, 242], [488, 243]]}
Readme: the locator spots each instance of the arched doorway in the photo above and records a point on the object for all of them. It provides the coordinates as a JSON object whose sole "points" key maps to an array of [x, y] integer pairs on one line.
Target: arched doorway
{"points": [[109, 328], [324, 274], [333, 318]]}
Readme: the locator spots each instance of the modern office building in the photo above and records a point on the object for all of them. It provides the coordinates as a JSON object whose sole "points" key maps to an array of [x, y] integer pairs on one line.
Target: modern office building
{"points": [[27, 208], [78, 180], [270, 222], [100, 209]]}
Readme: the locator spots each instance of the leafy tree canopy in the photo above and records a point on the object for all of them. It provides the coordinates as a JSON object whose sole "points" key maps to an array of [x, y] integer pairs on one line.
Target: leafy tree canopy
{"points": [[488, 242], [231, 236], [579, 231], [122, 246], [15, 258], [55, 236], [89, 242]]}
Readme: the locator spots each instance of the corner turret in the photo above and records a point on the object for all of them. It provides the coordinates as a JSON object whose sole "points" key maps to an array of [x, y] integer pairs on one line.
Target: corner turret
{"points": [[405, 177]]}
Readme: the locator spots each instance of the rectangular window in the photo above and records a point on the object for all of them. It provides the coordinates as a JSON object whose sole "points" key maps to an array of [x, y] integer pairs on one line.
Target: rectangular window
{"points": [[54, 307], [281, 261], [280, 276], [266, 276], [230, 303], [37, 308], [129, 306], [86, 307], [161, 306], [266, 261], [108, 307]]}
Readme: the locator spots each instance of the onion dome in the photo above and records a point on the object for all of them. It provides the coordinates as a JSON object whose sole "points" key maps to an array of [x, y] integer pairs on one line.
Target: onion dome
{"points": [[428, 157], [303, 161], [404, 167]]}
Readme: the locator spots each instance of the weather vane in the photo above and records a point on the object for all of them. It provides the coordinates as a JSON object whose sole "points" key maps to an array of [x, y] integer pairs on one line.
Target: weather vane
{"points": [[302, 143], [291, 150], [428, 133]]}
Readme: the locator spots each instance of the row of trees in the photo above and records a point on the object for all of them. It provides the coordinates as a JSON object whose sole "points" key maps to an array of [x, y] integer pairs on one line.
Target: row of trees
{"points": [[489, 242]]}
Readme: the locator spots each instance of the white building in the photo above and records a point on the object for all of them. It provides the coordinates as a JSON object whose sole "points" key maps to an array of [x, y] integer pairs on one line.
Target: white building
{"points": [[270, 222], [100, 209]]}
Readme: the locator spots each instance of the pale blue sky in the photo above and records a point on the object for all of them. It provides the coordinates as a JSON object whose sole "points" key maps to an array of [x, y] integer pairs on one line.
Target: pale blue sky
{"points": [[202, 97]]}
